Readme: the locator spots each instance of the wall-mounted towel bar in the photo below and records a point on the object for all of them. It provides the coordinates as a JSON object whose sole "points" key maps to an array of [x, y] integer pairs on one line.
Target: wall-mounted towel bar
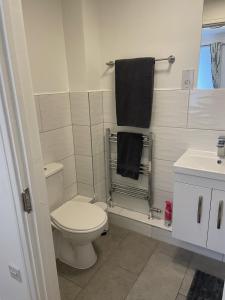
{"points": [[171, 59]]}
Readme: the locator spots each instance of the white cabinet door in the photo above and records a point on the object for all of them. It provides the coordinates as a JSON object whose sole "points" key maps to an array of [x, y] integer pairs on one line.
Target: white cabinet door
{"points": [[191, 213], [216, 234]]}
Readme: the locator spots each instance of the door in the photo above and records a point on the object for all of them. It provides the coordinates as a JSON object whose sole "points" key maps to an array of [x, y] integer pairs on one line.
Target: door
{"points": [[13, 274], [191, 213], [216, 234]]}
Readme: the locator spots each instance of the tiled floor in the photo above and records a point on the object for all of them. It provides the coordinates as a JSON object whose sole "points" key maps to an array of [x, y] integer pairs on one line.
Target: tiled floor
{"points": [[133, 267]]}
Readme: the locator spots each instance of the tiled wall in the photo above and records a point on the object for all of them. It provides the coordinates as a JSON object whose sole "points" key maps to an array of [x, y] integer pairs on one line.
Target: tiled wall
{"points": [[87, 119], [56, 134], [180, 120]]}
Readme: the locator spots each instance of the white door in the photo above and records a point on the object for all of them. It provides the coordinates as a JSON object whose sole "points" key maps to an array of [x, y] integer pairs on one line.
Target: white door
{"points": [[191, 213], [13, 274], [216, 234]]}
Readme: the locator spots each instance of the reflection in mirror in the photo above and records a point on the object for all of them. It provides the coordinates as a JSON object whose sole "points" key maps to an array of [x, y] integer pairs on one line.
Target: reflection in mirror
{"points": [[211, 73], [212, 58]]}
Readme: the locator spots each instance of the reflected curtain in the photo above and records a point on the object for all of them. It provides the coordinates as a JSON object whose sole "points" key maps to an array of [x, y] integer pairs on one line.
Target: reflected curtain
{"points": [[216, 57]]}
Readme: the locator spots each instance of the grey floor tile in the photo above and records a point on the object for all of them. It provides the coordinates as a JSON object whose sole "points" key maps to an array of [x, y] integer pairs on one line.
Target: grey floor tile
{"points": [[68, 289], [109, 283], [79, 277], [181, 297], [208, 265], [162, 277], [186, 284], [134, 252], [106, 245]]}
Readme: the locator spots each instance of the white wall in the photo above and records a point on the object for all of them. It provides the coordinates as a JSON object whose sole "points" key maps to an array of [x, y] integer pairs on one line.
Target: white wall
{"points": [[75, 44], [80, 20], [46, 48], [214, 11], [92, 42], [135, 28]]}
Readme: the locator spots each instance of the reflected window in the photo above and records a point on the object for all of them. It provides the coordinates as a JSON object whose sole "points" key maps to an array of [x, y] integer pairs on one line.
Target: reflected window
{"points": [[211, 73], [205, 74]]}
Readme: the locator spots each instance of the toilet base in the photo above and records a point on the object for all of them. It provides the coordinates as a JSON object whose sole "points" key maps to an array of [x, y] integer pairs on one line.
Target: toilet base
{"points": [[76, 256]]}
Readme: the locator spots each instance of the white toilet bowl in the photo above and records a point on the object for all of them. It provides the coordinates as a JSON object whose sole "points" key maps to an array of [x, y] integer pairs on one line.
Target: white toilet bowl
{"points": [[79, 224]]}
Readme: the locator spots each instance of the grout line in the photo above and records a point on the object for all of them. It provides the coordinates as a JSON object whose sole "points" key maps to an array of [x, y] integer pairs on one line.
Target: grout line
{"points": [[73, 142], [91, 137], [58, 128], [138, 276], [70, 280]]}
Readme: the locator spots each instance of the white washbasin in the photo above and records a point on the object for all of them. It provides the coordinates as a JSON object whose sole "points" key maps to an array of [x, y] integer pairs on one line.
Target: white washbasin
{"points": [[201, 163]]}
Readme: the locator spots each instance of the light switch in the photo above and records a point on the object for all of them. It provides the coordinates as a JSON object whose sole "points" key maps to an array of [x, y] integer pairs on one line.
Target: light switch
{"points": [[187, 79]]}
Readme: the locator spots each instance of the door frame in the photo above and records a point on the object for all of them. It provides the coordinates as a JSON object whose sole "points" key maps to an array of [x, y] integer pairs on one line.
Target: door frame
{"points": [[21, 139]]}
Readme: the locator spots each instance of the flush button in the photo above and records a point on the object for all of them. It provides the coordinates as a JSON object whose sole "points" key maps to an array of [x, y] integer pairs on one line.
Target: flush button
{"points": [[15, 273]]}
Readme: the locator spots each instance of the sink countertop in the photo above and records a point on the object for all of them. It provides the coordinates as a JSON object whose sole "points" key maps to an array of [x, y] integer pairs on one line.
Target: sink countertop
{"points": [[201, 163]]}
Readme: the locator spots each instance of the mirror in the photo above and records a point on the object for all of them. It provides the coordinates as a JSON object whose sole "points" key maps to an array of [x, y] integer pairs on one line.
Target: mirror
{"points": [[211, 71]]}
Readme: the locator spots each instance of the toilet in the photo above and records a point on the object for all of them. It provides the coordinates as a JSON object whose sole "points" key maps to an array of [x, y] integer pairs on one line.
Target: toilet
{"points": [[77, 223]]}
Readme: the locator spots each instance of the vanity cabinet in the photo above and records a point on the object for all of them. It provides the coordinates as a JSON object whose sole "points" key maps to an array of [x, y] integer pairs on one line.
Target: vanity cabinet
{"points": [[198, 216], [191, 213], [216, 233]]}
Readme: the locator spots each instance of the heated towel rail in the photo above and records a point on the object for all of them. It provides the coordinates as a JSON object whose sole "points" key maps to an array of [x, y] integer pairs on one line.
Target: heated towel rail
{"points": [[145, 169]]}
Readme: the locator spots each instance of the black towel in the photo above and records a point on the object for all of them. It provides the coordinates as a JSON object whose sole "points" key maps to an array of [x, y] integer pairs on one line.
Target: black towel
{"points": [[129, 151], [134, 79]]}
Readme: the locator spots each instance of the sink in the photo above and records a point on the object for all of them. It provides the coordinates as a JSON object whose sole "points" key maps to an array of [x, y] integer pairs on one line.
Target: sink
{"points": [[201, 163]]}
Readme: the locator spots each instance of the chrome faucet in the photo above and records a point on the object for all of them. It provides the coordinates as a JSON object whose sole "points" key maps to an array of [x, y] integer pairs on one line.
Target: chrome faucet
{"points": [[221, 147]]}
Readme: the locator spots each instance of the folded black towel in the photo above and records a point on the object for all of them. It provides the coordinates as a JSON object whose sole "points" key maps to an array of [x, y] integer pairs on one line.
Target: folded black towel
{"points": [[129, 151], [134, 79]]}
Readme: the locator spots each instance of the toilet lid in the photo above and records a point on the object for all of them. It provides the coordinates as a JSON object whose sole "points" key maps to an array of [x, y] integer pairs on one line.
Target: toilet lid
{"points": [[78, 216]]}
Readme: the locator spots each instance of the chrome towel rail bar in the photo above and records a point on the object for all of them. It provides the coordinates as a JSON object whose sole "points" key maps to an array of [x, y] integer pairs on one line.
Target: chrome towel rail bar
{"points": [[171, 60]]}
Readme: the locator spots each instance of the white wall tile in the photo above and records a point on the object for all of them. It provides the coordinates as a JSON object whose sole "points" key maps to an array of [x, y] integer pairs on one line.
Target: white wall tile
{"points": [[69, 171], [57, 144], [80, 108], [163, 175], [169, 143], [99, 167], [85, 189], [84, 169], [70, 192], [82, 140], [96, 107], [97, 138], [38, 112], [100, 191], [170, 108], [203, 139], [206, 109], [54, 110], [109, 107]]}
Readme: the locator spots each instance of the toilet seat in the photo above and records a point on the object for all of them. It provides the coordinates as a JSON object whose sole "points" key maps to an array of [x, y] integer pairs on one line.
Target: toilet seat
{"points": [[78, 217]]}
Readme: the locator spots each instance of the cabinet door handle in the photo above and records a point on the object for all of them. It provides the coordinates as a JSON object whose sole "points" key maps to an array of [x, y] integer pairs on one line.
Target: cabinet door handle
{"points": [[220, 214], [199, 213]]}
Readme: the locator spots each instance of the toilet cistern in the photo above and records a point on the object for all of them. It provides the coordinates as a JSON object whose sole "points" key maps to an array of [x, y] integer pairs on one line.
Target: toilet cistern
{"points": [[221, 147]]}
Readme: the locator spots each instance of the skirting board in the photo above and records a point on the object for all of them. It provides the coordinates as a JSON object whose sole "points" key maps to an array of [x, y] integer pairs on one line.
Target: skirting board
{"points": [[123, 218]]}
